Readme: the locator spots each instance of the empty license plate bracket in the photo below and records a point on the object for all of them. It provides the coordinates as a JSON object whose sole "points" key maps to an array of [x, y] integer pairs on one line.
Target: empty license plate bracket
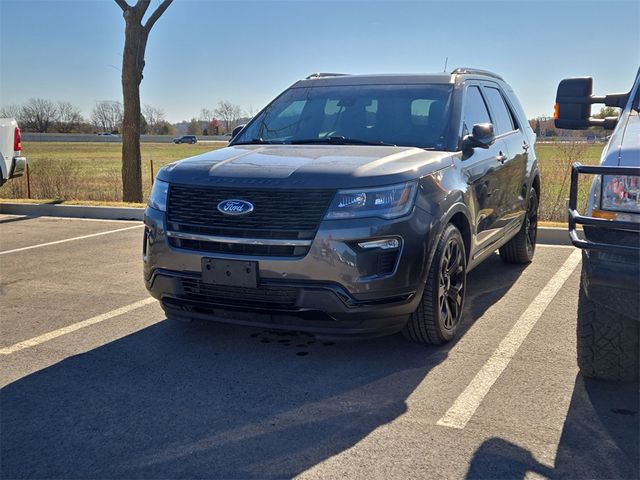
{"points": [[233, 273]]}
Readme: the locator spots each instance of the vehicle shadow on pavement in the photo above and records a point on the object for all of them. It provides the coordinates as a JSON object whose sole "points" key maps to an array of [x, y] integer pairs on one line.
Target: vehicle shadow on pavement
{"points": [[216, 401], [17, 219], [599, 439]]}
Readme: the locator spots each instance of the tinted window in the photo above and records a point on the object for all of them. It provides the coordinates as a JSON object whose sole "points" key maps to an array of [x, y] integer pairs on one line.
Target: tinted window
{"points": [[503, 121], [475, 110], [407, 115]]}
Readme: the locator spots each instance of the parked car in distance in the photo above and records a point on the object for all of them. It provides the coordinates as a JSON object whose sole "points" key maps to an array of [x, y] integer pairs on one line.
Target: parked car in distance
{"points": [[13, 163], [107, 134], [608, 331], [351, 205], [186, 139]]}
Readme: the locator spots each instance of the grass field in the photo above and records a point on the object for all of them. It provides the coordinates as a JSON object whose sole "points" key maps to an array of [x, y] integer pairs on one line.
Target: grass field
{"points": [[555, 169], [91, 171]]}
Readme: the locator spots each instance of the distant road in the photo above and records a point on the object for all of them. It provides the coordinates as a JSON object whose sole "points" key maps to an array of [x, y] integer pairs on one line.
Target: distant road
{"points": [[84, 137]]}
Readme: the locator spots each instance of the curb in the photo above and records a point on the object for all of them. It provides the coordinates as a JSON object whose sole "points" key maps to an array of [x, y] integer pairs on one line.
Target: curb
{"points": [[72, 211], [546, 235], [554, 236]]}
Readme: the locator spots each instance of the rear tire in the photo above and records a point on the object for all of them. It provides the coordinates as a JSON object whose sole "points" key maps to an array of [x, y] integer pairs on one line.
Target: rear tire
{"points": [[608, 342], [439, 312], [520, 249]]}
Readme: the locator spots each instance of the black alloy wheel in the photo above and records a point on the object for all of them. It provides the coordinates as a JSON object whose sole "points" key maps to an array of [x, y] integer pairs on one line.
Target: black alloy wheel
{"points": [[451, 285], [439, 313]]}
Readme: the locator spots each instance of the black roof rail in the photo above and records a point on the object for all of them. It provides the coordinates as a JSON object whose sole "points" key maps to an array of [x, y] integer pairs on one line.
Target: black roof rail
{"points": [[322, 75], [475, 71]]}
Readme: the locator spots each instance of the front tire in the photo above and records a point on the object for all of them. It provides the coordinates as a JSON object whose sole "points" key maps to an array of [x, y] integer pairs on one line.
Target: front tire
{"points": [[437, 318], [608, 342], [520, 249]]}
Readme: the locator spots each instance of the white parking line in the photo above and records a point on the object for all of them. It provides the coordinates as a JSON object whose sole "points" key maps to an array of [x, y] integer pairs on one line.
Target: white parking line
{"points": [[69, 240], [469, 400], [549, 245], [32, 342], [80, 219]]}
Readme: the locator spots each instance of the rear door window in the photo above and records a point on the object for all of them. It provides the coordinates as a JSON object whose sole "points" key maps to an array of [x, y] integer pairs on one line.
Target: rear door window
{"points": [[503, 121], [475, 110]]}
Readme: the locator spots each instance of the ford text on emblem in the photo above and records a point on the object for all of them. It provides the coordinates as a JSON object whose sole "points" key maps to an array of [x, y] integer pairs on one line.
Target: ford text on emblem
{"points": [[235, 207]]}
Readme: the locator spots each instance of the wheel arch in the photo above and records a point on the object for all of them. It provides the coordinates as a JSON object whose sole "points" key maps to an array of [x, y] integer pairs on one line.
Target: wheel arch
{"points": [[458, 214], [536, 184]]}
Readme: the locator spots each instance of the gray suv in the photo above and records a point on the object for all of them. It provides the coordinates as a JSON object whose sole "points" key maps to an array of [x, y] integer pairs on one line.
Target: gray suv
{"points": [[350, 205]]}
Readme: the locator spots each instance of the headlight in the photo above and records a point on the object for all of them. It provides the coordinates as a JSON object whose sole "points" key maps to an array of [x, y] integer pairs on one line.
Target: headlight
{"points": [[158, 196], [385, 202], [620, 193]]}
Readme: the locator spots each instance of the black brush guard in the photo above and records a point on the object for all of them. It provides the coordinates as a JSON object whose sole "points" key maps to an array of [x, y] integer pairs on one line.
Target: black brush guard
{"points": [[575, 218]]}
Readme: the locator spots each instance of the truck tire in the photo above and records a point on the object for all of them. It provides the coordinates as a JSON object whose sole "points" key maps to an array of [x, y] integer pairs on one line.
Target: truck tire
{"points": [[608, 342], [520, 249], [438, 316]]}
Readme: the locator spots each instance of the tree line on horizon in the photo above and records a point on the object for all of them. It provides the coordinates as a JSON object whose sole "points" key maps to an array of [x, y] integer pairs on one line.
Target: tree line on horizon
{"points": [[545, 128], [40, 115]]}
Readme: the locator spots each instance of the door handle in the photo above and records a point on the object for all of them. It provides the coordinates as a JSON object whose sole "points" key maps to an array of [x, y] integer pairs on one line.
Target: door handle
{"points": [[525, 146], [501, 157]]}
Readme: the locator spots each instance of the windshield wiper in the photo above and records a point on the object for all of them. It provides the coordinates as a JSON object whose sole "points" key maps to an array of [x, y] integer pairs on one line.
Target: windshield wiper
{"points": [[259, 141], [340, 140]]}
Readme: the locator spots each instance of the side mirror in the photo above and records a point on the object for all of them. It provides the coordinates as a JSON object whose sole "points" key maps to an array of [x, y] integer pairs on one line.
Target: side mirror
{"points": [[572, 110], [573, 103], [482, 136], [236, 131]]}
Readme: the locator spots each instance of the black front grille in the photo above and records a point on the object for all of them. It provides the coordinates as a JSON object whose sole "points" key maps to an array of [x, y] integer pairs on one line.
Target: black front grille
{"points": [[286, 211], [277, 214], [262, 297]]}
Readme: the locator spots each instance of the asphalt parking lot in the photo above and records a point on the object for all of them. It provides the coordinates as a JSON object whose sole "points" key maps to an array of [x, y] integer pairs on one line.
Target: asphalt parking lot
{"points": [[96, 383]]}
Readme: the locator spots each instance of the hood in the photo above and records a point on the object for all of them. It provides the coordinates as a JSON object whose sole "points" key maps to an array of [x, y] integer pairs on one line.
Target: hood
{"points": [[310, 166], [623, 148], [630, 146]]}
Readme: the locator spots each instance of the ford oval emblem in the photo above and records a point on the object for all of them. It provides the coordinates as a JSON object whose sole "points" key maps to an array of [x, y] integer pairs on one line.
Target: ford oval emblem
{"points": [[235, 207]]}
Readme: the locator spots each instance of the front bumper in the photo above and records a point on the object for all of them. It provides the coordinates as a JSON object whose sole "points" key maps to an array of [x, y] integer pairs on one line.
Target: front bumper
{"points": [[330, 291], [611, 251]]}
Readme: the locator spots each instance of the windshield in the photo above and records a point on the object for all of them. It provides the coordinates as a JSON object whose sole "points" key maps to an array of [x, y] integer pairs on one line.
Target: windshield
{"points": [[403, 115]]}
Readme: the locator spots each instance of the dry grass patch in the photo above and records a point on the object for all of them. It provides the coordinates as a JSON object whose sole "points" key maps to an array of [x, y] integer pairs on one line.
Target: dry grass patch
{"points": [[91, 171]]}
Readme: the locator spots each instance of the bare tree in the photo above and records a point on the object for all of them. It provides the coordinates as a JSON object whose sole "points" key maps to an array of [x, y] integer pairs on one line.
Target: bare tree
{"points": [[69, 117], [12, 111], [107, 116], [136, 34], [205, 115], [229, 113], [39, 114], [154, 117], [250, 112]]}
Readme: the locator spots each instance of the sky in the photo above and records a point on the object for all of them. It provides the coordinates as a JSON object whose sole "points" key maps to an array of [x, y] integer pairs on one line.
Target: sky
{"points": [[204, 51]]}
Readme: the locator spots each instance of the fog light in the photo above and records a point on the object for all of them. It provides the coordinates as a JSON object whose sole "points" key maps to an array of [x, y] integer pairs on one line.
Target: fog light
{"points": [[384, 244]]}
